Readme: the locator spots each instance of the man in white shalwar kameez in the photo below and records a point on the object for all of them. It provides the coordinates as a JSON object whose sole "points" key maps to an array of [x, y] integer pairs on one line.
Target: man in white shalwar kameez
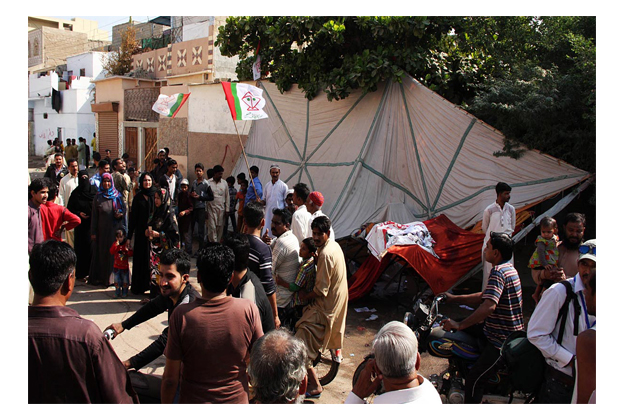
{"points": [[499, 216], [217, 208], [274, 194]]}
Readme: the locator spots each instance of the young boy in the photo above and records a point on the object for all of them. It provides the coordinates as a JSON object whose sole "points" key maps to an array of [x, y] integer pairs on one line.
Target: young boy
{"points": [[233, 206], [121, 251], [304, 281]]}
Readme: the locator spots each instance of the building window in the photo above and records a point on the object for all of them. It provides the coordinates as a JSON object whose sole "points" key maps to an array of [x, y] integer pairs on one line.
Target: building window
{"points": [[36, 47], [82, 72]]}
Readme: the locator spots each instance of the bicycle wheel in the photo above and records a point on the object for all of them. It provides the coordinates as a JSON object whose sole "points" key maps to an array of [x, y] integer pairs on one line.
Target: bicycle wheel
{"points": [[326, 367]]}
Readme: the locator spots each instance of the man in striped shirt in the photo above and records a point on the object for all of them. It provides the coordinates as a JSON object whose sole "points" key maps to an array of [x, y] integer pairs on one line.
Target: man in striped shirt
{"points": [[284, 258], [499, 306], [260, 253]]}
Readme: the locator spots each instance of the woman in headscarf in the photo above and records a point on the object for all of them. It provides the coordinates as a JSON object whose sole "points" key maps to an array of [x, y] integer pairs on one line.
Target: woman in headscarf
{"points": [[108, 214], [142, 209], [162, 234], [80, 203]]}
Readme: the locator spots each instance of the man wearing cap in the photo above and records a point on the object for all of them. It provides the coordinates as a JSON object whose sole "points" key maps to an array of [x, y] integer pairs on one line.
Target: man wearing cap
{"points": [[160, 169], [273, 197], [543, 329], [313, 204], [289, 203]]}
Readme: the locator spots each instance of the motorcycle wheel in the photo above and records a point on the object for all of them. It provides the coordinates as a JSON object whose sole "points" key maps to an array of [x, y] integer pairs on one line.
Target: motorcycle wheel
{"points": [[327, 368]]}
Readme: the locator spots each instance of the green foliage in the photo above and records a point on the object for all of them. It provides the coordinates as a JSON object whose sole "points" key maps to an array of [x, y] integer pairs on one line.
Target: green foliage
{"points": [[333, 54], [533, 78]]}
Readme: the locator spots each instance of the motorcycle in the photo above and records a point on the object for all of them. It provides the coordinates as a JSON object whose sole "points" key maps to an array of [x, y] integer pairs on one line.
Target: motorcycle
{"points": [[462, 351]]}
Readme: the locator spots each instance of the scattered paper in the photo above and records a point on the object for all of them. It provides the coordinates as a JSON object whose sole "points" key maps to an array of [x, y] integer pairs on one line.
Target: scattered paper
{"points": [[351, 355], [365, 310], [373, 317]]}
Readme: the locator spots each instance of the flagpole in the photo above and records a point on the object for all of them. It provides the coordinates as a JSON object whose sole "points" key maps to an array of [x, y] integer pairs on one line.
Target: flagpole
{"points": [[245, 157], [147, 154]]}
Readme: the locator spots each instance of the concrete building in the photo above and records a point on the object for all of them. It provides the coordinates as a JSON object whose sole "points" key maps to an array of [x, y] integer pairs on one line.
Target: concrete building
{"points": [[143, 31], [51, 41], [76, 91], [202, 131]]}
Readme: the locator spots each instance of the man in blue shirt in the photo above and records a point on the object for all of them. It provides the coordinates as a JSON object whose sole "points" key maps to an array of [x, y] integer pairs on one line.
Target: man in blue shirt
{"points": [[255, 189]]}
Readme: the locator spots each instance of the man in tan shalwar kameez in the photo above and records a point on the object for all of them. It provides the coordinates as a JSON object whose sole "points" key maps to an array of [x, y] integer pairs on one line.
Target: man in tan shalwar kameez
{"points": [[322, 325]]}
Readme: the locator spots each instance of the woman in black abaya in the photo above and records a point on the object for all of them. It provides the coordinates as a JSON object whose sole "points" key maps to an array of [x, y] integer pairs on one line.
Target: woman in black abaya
{"points": [[142, 210], [80, 203]]}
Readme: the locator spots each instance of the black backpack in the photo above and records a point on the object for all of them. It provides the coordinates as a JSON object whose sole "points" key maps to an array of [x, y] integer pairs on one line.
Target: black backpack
{"points": [[524, 361]]}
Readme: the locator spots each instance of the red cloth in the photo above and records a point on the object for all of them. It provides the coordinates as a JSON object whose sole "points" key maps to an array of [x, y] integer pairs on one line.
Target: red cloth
{"points": [[53, 216], [458, 250], [366, 276], [120, 254]]}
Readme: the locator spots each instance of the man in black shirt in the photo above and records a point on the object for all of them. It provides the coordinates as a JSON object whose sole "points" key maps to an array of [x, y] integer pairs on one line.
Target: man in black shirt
{"points": [[175, 290], [245, 284], [56, 171]]}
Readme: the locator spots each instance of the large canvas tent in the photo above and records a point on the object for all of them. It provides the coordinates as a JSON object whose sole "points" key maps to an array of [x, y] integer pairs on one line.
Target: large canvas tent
{"points": [[401, 153]]}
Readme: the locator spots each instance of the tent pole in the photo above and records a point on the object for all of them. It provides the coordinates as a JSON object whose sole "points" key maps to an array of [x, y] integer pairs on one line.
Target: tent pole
{"points": [[523, 232], [245, 157]]}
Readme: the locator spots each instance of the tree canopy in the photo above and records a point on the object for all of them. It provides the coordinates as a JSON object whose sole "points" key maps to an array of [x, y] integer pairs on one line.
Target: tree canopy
{"points": [[119, 62], [533, 78]]}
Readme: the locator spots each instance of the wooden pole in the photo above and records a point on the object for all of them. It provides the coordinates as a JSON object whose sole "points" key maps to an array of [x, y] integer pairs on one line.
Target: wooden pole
{"points": [[148, 153], [245, 157]]}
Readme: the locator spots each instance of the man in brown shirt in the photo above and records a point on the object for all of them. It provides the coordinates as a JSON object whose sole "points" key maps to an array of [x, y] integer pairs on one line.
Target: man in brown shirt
{"points": [[322, 325], [69, 360], [210, 339]]}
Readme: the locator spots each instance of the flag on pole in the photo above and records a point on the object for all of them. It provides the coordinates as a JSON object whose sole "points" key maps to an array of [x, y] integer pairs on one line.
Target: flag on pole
{"points": [[256, 68], [245, 101], [170, 105]]}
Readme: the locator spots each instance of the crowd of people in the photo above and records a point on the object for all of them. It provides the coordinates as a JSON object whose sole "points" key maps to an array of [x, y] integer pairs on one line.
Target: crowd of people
{"points": [[273, 291]]}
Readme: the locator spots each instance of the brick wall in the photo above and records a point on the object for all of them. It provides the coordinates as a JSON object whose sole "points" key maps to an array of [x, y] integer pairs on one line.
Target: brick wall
{"points": [[59, 44]]}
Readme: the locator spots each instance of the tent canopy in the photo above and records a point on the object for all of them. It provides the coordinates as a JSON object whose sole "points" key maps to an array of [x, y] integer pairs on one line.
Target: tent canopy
{"points": [[401, 153]]}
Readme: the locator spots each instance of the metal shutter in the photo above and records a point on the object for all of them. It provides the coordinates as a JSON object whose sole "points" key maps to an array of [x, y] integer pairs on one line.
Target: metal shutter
{"points": [[107, 133]]}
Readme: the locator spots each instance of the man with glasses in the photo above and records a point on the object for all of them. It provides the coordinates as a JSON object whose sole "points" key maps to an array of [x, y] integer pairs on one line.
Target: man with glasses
{"points": [[544, 328]]}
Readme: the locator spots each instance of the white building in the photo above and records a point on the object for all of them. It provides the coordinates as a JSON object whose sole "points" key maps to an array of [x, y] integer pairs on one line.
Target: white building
{"points": [[74, 119]]}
